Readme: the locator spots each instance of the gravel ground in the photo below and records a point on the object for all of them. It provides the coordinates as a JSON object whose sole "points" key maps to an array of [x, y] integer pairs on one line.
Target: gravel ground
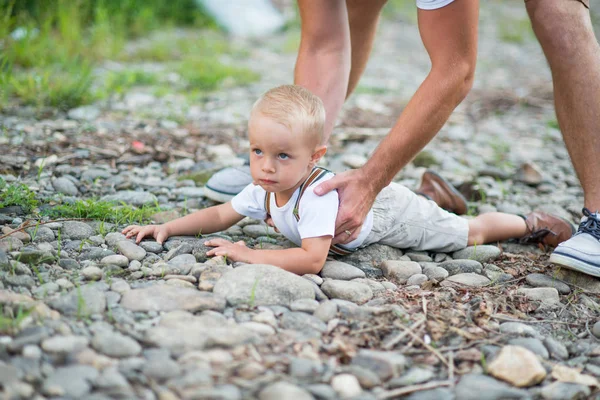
{"points": [[89, 314]]}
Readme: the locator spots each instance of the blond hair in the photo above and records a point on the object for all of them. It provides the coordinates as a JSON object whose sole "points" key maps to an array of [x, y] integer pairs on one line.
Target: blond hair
{"points": [[294, 107]]}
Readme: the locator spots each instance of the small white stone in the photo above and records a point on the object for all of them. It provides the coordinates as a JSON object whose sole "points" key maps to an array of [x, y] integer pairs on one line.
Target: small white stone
{"points": [[91, 273], [346, 385]]}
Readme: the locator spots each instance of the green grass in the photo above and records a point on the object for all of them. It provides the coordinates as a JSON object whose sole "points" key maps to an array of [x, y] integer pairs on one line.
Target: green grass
{"points": [[207, 73], [119, 82], [518, 31], [104, 211], [402, 10], [49, 63], [17, 194], [10, 322]]}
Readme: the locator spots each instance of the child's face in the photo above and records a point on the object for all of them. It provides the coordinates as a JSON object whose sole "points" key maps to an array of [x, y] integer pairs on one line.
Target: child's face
{"points": [[279, 159]]}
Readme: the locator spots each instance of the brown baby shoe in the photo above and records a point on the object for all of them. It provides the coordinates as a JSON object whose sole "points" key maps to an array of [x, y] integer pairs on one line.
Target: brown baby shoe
{"points": [[547, 229], [436, 188]]}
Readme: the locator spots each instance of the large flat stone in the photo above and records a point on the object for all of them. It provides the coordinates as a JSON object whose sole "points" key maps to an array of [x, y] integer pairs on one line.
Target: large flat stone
{"points": [[170, 298]]}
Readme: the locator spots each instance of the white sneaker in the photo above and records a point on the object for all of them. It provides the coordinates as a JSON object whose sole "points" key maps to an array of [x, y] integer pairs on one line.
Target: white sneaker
{"points": [[228, 182], [581, 252]]}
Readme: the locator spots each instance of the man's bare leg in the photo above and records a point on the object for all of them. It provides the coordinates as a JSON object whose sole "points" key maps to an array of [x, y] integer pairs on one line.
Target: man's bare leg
{"points": [[363, 17], [564, 29]]}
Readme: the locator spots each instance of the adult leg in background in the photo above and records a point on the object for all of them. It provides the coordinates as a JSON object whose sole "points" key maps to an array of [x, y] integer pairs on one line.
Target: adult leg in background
{"points": [[564, 30]]}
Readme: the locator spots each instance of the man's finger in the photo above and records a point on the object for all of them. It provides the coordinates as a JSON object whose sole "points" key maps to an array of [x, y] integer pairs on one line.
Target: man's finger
{"points": [[326, 187]]}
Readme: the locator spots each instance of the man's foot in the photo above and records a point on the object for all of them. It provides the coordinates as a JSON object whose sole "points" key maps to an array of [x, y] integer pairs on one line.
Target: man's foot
{"points": [[228, 182], [581, 252], [547, 229], [436, 188]]}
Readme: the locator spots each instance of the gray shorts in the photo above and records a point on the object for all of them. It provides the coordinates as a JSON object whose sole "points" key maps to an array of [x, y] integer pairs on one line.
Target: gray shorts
{"points": [[406, 220]]}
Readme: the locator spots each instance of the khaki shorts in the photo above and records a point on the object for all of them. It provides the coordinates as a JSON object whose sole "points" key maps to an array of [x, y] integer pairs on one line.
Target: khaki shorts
{"points": [[406, 220], [585, 2]]}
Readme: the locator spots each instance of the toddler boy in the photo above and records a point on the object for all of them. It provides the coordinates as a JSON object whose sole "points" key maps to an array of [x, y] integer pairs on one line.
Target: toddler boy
{"points": [[286, 132]]}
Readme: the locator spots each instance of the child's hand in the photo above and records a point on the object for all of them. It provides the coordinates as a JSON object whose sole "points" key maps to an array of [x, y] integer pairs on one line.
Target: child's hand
{"points": [[234, 251], [159, 232]]}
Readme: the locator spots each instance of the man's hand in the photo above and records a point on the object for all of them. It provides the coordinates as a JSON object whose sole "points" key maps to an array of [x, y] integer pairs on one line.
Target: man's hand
{"points": [[159, 232], [357, 194], [234, 251]]}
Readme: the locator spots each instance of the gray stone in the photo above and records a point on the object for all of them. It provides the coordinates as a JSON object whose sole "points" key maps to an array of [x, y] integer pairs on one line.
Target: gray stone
{"points": [[304, 305], [64, 344], [496, 274], [301, 321], [375, 286], [417, 279], [302, 368], [255, 231], [455, 267], [434, 273], [369, 258], [386, 364], [181, 332], [92, 174], [81, 301], [596, 329], [65, 186], [547, 296], [95, 254], [565, 391], [151, 247], [284, 390], [114, 344], [322, 391], [578, 279], [346, 386], [116, 259], [263, 285], [400, 271], [34, 257], [419, 256], [10, 243], [518, 328], [476, 387], [169, 298], [113, 382], [19, 280], [91, 273], [46, 289], [4, 262], [73, 381], [43, 234], [352, 291], [533, 344], [113, 238], [411, 377], [340, 270], [8, 374], [481, 253], [541, 280], [183, 248], [433, 394], [131, 250], [76, 230], [468, 279], [556, 349], [137, 199], [183, 262], [161, 369], [326, 311]]}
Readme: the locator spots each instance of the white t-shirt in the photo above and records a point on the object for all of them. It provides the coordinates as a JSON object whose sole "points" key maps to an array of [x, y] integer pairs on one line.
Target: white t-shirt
{"points": [[432, 4], [317, 213]]}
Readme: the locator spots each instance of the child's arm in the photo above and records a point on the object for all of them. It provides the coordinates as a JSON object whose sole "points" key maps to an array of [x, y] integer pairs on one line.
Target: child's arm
{"points": [[309, 259], [207, 220]]}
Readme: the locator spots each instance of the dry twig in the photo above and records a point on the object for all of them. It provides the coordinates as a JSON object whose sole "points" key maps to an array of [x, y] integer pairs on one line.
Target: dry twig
{"points": [[414, 388]]}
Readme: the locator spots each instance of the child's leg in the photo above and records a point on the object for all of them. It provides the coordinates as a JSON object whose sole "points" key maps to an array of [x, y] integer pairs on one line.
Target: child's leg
{"points": [[495, 227]]}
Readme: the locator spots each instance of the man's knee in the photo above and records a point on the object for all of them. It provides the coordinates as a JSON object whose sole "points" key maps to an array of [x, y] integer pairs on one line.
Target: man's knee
{"points": [[559, 24]]}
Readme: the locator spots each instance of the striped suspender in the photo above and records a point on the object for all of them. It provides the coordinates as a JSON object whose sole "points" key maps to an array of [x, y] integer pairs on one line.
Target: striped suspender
{"points": [[316, 174]]}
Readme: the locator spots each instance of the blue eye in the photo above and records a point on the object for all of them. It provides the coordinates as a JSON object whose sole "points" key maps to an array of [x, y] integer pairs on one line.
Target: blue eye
{"points": [[258, 152], [283, 156]]}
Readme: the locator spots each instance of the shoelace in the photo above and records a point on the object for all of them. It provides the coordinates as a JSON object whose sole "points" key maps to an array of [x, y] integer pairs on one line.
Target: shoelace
{"points": [[591, 225]]}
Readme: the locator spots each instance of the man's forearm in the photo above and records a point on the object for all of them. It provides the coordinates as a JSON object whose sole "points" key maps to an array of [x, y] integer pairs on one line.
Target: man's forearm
{"points": [[420, 121]]}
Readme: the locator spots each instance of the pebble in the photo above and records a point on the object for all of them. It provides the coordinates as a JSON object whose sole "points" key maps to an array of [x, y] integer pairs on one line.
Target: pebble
{"points": [[151, 247], [65, 186], [130, 250], [541, 280], [304, 305], [326, 311], [355, 292], [114, 344], [534, 345], [64, 344], [284, 390], [386, 364], [474, 386], [417, 279], [596, 329], [76, 230], [91, 273], [433, 272], [468, 279], [518, 328], [116, 259], [413, 376], [455, 267], [346, 386], [482, 253], [170, 298], [341, 271], [565, 391], [547, 296], [556, 349], [517, 366], [400, 271]]}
